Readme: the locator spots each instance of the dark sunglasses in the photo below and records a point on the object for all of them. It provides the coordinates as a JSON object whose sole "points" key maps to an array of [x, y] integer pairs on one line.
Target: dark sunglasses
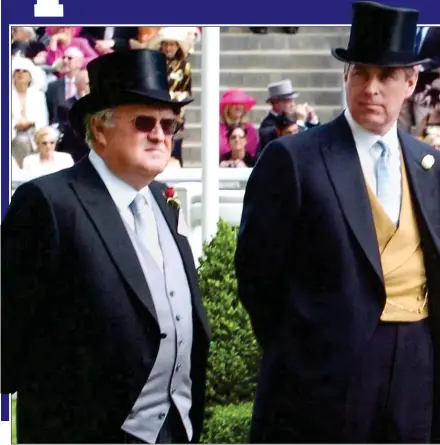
{"points": [[146, 124]]}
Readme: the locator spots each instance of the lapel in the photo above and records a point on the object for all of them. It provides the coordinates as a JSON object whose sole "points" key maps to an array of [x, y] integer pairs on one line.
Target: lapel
{"points": [[345, 171], [182, 243], [425, 193], [101, 209]]}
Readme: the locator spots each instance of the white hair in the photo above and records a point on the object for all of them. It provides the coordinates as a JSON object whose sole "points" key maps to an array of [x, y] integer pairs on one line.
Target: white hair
{"points": [[105, 116]]}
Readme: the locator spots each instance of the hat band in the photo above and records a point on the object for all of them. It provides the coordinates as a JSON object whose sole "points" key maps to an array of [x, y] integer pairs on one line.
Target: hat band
{"points": [[375, 57]]}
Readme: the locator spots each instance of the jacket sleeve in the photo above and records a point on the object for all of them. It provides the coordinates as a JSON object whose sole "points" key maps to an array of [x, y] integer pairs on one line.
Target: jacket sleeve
{"points": [[270, 208], [29, 247]]}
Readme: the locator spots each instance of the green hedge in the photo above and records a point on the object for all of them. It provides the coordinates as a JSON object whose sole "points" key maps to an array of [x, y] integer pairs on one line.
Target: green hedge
{"points": [[234, 353], [229, 424]]}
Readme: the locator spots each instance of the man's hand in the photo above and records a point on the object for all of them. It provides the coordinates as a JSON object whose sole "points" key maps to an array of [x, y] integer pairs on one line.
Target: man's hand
{"points": [[311, 114], [301, 112], [104, 46], [24, 124]]}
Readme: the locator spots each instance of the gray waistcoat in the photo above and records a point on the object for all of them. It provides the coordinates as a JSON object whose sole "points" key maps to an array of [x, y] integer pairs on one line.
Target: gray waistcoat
{"points": [[170, 376]]}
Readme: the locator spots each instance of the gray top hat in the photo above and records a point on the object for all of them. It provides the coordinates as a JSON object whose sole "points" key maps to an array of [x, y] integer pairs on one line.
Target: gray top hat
{"points": [[281, 90]]}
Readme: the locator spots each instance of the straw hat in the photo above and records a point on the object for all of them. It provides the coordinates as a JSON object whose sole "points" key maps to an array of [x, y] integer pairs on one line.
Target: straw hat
{"points": [[171, 34]]}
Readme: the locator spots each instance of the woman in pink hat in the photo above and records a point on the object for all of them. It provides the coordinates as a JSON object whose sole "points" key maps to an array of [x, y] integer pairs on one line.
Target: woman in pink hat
{"points": [[234, 107]]}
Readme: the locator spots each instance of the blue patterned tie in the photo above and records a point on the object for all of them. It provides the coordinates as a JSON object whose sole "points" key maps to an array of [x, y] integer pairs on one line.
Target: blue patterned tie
{"points": [[384, 187]]}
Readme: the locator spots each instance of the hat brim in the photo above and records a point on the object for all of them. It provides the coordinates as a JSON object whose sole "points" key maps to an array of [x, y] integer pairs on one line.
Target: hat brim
{"points": [[94, 102], [344, 55], [292, 95], [156, 42]]}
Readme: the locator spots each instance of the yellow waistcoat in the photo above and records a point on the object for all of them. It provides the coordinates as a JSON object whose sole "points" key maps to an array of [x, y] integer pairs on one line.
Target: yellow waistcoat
{"points": [[402, 259]]}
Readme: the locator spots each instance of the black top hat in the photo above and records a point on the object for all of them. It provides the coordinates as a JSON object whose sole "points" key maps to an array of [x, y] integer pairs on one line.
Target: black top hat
{"points": [[382, 36], [125, 78]]}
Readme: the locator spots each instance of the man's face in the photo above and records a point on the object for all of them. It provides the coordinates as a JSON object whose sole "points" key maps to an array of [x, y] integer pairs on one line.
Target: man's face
{"points": [[138, 144], [82, 83], [283, 105], [72, 61], [375, 95], [169, 49], [20, 34]]}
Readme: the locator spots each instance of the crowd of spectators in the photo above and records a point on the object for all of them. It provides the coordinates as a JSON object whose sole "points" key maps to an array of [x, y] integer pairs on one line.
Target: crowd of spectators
{"points": [[49, 74]]}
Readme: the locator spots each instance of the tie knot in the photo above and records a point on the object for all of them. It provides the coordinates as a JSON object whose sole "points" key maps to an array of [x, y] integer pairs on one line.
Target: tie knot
{"points": [[380, 149], [138, 203]]}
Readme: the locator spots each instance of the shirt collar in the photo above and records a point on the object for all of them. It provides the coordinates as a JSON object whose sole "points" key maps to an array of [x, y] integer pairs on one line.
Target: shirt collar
{"points": [[122, 193], [364, 139]]}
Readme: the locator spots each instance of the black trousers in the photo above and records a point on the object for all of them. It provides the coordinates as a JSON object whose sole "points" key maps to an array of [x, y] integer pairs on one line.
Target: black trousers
{"points": [[172, 430]]}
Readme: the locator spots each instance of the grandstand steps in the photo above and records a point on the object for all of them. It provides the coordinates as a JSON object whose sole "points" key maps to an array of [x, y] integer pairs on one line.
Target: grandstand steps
{"points": [[251, 61]]}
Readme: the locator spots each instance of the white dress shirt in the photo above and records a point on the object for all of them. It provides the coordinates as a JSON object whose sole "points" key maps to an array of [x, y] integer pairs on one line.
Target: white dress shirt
{"points": [[364, 142], [109, 32], [121, 192]]}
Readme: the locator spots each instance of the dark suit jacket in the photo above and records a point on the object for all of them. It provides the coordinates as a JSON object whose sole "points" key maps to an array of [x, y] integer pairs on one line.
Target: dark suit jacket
{"points": [[121, 36], [79, 329], [55, 97], [69, 141], [309, 274], [267, 132]]}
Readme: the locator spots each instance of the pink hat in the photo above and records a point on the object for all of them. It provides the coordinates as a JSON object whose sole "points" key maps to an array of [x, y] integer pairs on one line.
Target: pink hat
{"points": [[235, 96], [51, 30]]}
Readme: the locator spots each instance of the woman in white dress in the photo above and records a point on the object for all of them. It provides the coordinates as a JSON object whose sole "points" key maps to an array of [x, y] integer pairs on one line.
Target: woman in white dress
{"points": [[29, 109], [47, 160]]}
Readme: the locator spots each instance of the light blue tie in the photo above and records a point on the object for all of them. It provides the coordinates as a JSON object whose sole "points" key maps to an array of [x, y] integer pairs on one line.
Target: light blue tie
{"points": [[387, 195]]}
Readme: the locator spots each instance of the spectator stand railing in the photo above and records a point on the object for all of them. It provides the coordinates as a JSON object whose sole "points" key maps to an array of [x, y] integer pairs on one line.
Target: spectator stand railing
{"points": [[188, 185]]}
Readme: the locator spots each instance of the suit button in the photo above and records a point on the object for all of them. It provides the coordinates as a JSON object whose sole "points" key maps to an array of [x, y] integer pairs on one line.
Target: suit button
{"points": [[178, 317], [178, 366], [172, 293], [162, 416], [163, 335], [173, 390]]}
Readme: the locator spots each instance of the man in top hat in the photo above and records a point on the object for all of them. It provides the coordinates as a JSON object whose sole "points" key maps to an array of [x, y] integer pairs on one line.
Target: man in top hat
{"points": [[338, 260], [282, 99], [103, 331]]}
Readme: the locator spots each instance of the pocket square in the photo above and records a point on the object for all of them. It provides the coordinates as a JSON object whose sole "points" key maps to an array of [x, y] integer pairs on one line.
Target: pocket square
{"points": [[182, 227]]}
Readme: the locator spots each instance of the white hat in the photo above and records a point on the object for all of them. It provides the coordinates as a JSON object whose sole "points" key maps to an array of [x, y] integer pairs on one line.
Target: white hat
{"points": [[171, 34], [22, 63]]}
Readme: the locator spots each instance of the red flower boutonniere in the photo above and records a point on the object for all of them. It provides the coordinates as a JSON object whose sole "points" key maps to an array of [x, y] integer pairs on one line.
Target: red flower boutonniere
{"points": [[172, 198]]}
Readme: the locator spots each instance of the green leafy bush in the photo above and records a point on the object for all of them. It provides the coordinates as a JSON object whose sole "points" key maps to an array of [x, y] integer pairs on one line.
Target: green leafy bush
{"points": [[229, 424], [234, 352]]}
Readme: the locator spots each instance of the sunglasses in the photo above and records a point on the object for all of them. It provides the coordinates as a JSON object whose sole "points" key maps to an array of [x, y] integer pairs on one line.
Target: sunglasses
{"points": [[146, 124]]}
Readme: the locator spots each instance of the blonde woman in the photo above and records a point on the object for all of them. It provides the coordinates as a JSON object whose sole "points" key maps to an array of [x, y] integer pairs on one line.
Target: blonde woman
{"points": [[235, 105], [47, 160]]}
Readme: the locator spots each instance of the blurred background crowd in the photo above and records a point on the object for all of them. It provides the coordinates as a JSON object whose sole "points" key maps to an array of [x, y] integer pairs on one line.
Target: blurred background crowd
{"points": [[273, 82]]}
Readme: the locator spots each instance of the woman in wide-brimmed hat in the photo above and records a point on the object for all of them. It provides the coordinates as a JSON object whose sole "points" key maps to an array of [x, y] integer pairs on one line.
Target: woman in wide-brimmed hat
{"points": [[28, 108], [173, 42], [235, 105]]}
